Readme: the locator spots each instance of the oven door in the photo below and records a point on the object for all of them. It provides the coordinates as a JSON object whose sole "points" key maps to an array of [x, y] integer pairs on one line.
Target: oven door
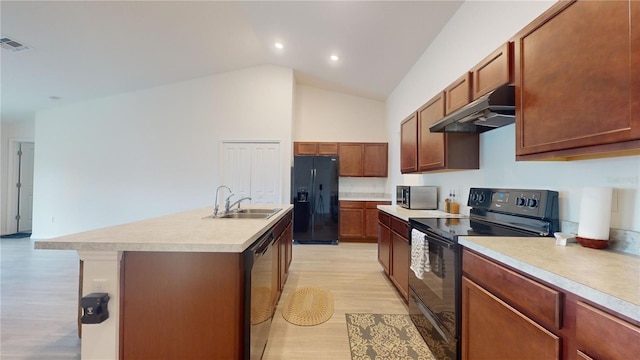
{"points": [[434, 302]]}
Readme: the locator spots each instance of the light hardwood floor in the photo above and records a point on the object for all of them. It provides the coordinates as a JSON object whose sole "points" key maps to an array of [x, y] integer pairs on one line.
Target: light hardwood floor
{"points": [[39, 299]]}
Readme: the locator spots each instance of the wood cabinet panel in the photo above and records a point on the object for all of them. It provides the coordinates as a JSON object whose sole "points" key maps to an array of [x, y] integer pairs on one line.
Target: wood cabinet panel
{"points": [[401, 227], [315, 148], [458, 94], [409, 144], [360, 221], [635, 63], [431, 146], [603, 336], [537, 301], [400, 263], [305, 148], [492, 72], [211, 281], [376, 159], [351, 224], [491, 329], [371, 218], [571, 99], [384, 246], [350, 159]]}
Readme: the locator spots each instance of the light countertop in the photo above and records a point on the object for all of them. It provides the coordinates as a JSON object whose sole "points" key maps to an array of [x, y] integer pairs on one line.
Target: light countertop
{"points": [[610, 279], [187, 231], [405, 214]]}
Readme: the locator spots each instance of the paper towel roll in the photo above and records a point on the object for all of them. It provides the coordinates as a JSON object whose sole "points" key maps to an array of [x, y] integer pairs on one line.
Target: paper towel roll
{"points": [[595, 213]]}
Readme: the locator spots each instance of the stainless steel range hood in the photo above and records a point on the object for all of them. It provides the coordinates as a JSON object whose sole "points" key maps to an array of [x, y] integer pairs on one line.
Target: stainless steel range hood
{"points": [[490, 111]]}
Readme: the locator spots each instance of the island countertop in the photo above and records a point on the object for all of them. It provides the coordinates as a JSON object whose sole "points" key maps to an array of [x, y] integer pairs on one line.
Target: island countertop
{"points": [[190, 231], [604, 277]]}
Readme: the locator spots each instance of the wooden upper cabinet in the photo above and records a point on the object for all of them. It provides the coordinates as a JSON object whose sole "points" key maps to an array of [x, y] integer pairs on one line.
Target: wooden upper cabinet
{"points": [[444, 151], [635, 63], [576, 80], [364, 159], [350, 159], [431, 146], [376, 159], [458, 94], [492, 72], [409, 144], [315, 148]]}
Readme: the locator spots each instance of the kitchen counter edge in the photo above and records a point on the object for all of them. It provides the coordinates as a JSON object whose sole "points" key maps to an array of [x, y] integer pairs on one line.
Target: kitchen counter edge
{"points": [[605, 278], [172, 233]]}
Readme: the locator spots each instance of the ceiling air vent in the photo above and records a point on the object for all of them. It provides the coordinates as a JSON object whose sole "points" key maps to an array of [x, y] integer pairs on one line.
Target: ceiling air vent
{"points": [[12, 45]]}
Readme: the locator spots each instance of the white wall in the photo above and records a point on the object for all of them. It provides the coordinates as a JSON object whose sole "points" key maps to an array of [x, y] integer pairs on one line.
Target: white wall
{"points": [[11, 131], [322, 115], [152, 152], [463, 43]]}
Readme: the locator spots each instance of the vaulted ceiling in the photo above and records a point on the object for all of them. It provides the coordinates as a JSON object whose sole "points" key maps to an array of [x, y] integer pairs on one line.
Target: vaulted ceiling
{"points": [[79, 50]]}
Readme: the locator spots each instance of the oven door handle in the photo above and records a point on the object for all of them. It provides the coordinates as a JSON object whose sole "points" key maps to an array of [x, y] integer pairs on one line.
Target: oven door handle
{"points": [[434, 239]]}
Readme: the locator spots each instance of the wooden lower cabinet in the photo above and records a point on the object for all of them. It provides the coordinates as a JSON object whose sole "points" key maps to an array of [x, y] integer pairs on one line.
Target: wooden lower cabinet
{"points": [[604, 336], [358, 220], [507, 314], [190, 305], [491, 329], [394, 250]]}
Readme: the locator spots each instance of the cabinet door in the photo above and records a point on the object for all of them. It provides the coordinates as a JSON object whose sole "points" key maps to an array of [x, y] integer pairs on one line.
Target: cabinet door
{"points": [[409, 144], [494, 71], [375, 159], [400, 263], [352, 219], [371, 218], [573, 80], [431, 145], [305, 148], [458, 94], [350, 159], [327, 148], [491, 329], [602, 336], [384, 247], [635, 64]]}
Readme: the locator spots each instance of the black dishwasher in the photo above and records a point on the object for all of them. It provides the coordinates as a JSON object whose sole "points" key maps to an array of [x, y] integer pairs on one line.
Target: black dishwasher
{"points": [[258, 305]]}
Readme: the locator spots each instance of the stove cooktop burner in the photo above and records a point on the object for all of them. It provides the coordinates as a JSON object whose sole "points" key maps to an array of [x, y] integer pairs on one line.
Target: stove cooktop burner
{"points": [[499, 212]]}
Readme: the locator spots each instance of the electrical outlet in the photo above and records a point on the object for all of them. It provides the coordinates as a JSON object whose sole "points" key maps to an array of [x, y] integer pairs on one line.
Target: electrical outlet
{"points": [[100, 285]]}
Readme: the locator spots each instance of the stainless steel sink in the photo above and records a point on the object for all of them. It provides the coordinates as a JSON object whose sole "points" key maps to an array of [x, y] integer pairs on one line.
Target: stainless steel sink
{"points": [[249, 214], [258, 211]]}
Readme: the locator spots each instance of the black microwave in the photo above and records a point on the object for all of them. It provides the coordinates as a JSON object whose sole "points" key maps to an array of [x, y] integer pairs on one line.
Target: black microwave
{"points": [[417, 197]]}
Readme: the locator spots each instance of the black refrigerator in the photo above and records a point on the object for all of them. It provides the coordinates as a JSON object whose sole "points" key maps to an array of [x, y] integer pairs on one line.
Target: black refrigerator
{"points": [[314, 195]]}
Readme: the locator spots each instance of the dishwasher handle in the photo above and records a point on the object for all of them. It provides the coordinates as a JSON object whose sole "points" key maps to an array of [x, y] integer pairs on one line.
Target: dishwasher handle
{"points": [[262, 245]]}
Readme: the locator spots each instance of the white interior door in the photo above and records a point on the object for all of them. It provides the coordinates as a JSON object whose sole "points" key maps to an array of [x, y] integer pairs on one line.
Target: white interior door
{"points": [[25, 206], [252, 169]]}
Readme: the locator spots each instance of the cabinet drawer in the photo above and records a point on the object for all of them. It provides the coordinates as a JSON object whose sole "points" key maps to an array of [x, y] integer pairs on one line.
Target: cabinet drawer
{"points": [[541, 303], [400, 226], [602, 336], [384, 218], [352, 204]]}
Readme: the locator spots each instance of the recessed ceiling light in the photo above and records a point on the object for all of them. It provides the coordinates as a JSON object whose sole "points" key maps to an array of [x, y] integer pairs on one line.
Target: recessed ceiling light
{"points": [[54, 98], [334, 57], [279, 45]]}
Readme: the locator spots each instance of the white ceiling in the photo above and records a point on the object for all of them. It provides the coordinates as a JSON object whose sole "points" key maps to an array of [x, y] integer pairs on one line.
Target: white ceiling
{"points": [[86, 49]]}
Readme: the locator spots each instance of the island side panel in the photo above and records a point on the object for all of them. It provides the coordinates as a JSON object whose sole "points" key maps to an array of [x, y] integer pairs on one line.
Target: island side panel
{"points": [[182, 305]]}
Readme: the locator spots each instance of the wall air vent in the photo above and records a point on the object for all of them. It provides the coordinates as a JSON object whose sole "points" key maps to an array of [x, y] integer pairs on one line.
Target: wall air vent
{"points": [[12, 45]]}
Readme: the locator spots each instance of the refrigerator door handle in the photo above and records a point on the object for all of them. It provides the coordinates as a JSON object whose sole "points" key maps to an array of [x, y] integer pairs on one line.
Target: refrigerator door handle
{"points": [[312, 192]]}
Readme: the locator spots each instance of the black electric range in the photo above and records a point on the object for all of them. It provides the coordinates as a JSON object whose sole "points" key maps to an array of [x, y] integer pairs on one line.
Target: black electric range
{"points": [[435, 284]]}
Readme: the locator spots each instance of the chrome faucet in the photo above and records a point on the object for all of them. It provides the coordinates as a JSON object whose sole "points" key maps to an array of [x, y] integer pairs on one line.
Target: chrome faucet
{"points": [[228, 207], [215, 208]]}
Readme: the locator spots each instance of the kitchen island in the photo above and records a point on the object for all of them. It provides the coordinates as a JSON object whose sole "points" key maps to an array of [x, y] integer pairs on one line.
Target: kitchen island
{"points": [[176, 282]]}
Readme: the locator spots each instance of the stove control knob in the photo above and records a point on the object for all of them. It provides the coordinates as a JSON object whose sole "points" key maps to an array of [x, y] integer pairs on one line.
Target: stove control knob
{"points": [[532, 203], [474, 197], [520, 201], [481, 197]]}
